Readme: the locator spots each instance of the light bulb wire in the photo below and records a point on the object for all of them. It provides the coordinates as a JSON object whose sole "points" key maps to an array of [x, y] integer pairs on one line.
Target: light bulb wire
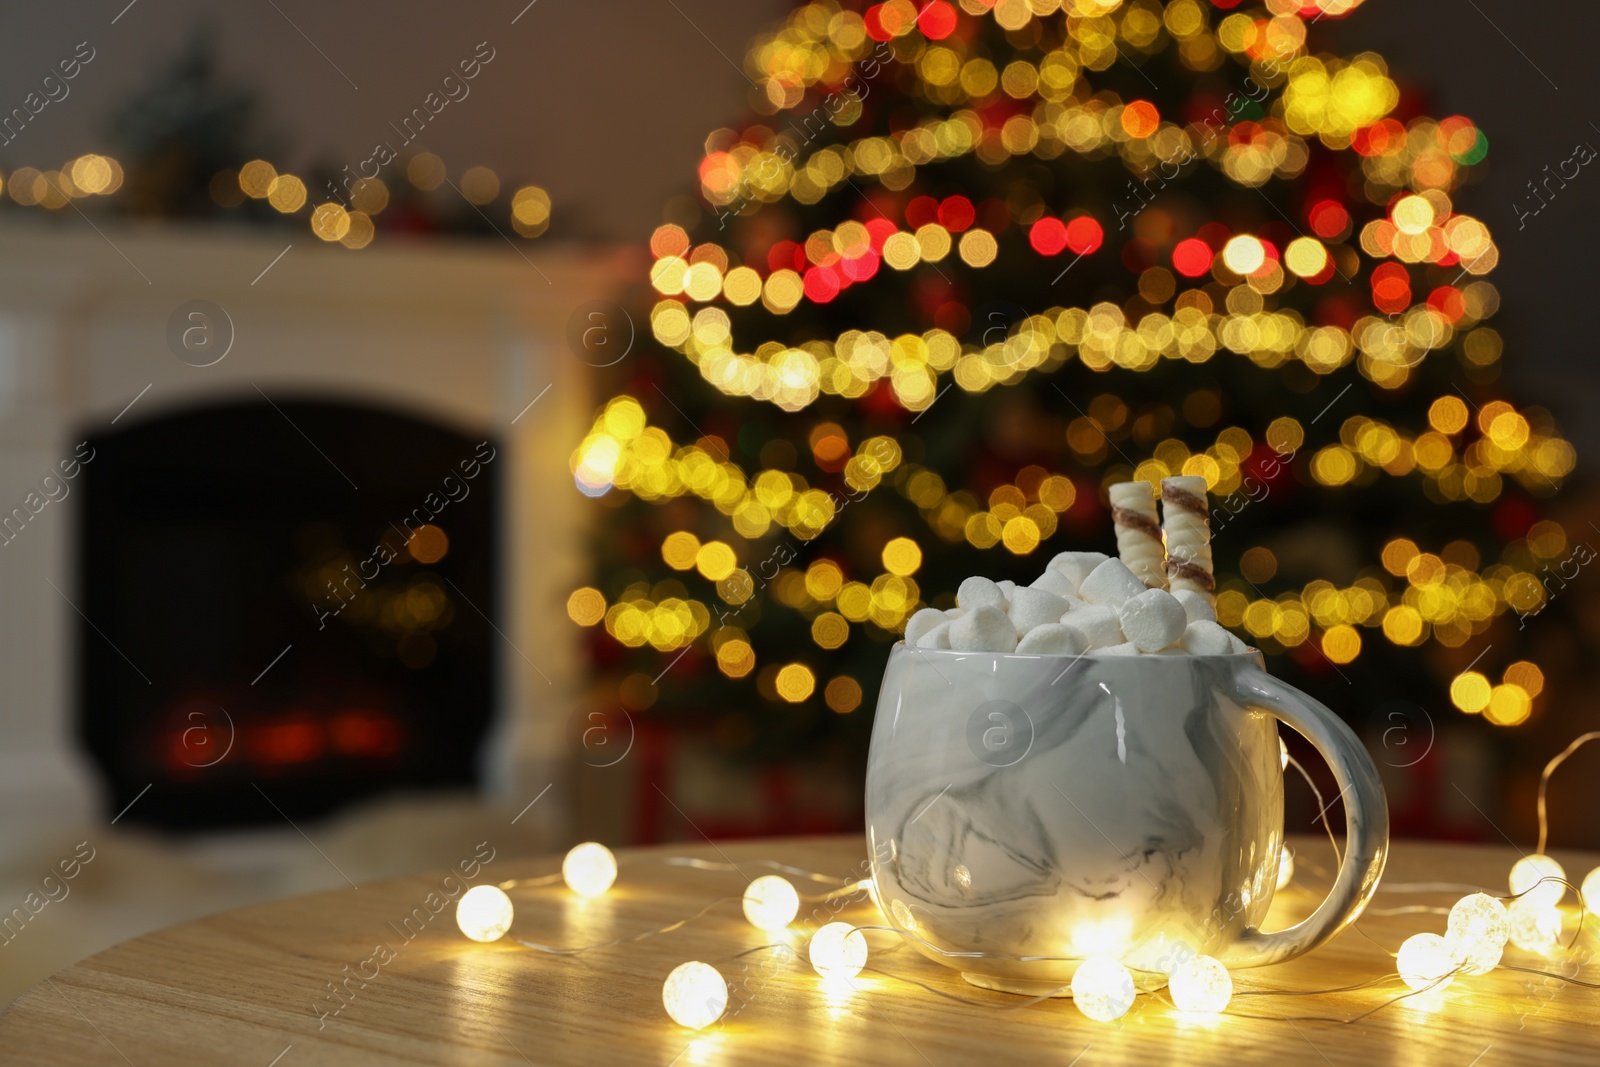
{"points": [[1322, 809], [1544, 781], [554, 950], [798, 872]]}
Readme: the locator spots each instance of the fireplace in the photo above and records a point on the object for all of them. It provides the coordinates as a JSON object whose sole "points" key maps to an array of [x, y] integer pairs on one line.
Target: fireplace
{"points": [[388, 367], [291, 604]]}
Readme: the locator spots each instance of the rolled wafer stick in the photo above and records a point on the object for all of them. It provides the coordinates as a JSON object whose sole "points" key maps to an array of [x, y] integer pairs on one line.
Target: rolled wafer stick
{"points": [[1187, 517], [1133, 513]]}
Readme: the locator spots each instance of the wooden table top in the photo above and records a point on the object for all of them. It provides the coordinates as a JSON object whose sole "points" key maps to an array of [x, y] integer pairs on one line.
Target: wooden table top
{"points": [[246, 986]]}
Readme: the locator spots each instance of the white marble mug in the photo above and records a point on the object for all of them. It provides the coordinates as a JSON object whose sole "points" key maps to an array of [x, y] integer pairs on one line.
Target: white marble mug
{"points": [[1068, 807]]}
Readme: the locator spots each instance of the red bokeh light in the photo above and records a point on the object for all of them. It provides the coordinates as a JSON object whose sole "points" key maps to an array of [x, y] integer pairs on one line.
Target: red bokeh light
{"points": [[1328, 219], [1391, 288], [822, 284], [1191, 258], [783, 255], [921, 211], [957, 213], [937, 21], [1048, 236], [1084, 235]]}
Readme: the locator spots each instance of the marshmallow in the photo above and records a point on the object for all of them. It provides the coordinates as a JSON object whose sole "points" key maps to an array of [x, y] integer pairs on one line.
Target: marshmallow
{"points": [[1055, 582], [1035, 607], [1125, 649], [1205, 638], [1077, 565], [1195, 605], [1111, 583], [1152, 620], [976, 592], [938, 637], [922, 622], [1007, 587], [985, 629], [1052, 639], [954, 613], [1098, 626]]}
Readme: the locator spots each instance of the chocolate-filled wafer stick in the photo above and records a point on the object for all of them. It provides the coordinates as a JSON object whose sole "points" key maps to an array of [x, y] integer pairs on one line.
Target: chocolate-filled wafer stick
{"points": [[1187, 517], [1133, 513]]}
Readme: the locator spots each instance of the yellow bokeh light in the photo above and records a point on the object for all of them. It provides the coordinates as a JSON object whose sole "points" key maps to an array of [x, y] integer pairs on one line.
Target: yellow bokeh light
{"points": [[680, 550], [330, 222], [823, 579], [1341, 644], [843, 694], [256, 178], [480, 185], [715, 560], [902, 556], [795, 683], [1470, 691], [830, 630], [736, 658], [742, 286], [1306, 257], [1509, 705], [425, 171], [1530, 679], [1244, 255], [1413, 214], [901, 251], [287, 194], [91, 173], [1397, 556], [359, 232], [978, 248], [586, 606], [1403, 624], [530, 210], [1448, 415]]}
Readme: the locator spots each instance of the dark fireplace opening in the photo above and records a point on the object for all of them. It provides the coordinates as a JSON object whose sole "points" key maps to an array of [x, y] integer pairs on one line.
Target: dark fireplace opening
{"points": [[285, 609]]}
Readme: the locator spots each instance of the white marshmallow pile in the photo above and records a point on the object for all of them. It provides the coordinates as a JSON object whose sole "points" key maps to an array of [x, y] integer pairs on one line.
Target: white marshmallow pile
{"points": [[1084, 603]]}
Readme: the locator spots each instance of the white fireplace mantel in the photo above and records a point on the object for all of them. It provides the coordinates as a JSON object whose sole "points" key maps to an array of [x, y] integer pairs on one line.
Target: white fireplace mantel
{"points": [[468, 334]]}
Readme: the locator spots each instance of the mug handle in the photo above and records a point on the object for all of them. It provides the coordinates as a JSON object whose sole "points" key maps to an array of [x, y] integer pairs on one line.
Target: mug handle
{"points": [[1366, 817]]}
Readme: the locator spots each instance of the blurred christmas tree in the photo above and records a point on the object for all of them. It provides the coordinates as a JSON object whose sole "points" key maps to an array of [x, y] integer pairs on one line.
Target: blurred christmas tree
{"points": [[970, 263]]}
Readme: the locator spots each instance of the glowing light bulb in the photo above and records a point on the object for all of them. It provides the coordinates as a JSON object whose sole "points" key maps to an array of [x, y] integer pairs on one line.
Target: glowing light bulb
{"points": [[838, 950], [589, 869], [1202, 984], [1283, 755], [484, 913], [695, 994], [1244, 255], [1425, 961], [1477, 932], [770, 902], [1590, 890], [1102, 989], [1285, 866], [1532, 879], [1535, 927]]}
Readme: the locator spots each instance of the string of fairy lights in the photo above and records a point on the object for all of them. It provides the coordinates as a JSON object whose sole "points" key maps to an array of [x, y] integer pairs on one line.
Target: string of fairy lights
{"points": [[345, 214], [1394, 251], [694, 994]]}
